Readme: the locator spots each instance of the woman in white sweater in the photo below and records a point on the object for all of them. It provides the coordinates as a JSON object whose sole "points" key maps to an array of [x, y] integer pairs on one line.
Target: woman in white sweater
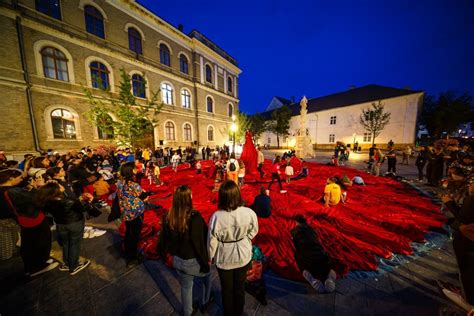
{"points": [[231, 230]]}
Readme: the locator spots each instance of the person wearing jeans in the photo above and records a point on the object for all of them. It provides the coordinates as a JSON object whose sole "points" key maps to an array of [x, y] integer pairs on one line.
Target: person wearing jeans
{"points": [[183, 236], [70, 237], [231, 230]]}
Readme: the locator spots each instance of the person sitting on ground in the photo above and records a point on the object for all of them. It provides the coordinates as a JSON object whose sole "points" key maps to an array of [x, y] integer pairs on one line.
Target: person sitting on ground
{"points": [[358, 180], [175, 159], [312, 260], [289, 172], [276, 174], [332, 193], [261, 204], [198, 167]]}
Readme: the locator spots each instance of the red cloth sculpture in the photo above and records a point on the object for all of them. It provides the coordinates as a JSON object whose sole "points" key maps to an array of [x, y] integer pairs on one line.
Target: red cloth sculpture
{"points": [[249, 155]]}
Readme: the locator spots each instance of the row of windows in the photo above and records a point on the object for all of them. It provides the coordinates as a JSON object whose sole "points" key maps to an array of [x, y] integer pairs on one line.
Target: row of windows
{"points": [[367, 138], [64, 127], [94, 21], [55, 67]]}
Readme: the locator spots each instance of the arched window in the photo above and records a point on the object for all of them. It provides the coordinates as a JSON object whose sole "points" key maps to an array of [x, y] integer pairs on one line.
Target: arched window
{"points": [[230, 110], [138, 86], [188, 136], [229, 84], [134, 40], [49, 7], [165, 55], [94, 21], [107, 131], [208, 74], [99, 75], [210, 104], [167, 93], [183, 64], [210, 133], [169, 131], [54, 64], [63, 125], [186, 99]]}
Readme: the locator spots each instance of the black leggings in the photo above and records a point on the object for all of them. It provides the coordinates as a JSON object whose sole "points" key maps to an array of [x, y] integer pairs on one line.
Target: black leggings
{"points": [[35, 246], [233, 290], [275, 176], [132, 237]]}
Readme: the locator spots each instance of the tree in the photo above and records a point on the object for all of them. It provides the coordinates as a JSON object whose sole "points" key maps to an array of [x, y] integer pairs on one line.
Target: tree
{"points": [[444, 114], [280, 122], [374, 119], [258, 125], [134, 120], [243, 124]]}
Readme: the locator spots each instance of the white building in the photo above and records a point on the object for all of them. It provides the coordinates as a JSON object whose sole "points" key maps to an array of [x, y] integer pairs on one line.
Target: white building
{"points": [[335, 117]]}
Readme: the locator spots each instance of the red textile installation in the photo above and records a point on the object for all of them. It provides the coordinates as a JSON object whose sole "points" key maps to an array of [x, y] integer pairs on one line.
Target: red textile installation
{"points": [[377, 220], [249, 155]]}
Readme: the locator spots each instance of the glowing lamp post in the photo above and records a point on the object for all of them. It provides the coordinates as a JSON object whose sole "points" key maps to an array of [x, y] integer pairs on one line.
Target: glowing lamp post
{"points": [[233, 128]]}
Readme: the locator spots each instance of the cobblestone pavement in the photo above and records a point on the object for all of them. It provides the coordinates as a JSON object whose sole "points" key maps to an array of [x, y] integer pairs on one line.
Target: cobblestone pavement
{"points": [[107, 287]]}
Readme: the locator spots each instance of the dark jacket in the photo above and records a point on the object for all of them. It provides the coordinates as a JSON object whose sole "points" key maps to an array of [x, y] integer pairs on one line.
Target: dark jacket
{"points": [[463, 215], [65, 211], [309, 254], [261, 206], [190, 244], [23, 200]]}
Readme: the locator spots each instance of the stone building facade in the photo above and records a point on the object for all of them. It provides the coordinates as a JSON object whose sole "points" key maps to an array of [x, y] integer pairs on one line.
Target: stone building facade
{"points": [[336, 117], [51, 49]]}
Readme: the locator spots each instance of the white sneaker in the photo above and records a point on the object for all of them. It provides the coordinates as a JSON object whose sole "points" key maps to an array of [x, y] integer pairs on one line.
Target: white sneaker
{"points": [[80, 267], [458, 299], [49, 261], [46, 269], [96, 233], [87, 234]]}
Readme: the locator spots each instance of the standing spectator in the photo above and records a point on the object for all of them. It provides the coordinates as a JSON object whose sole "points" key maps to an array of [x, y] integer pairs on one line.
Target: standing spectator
{"points": [[262, 204], [130, 196], [231, 230], [146, 156], [392, 161], [370, 164], [289, 172], [312, 260], [391, 143], [356, 147], [203, 153], [232, 168], [241, 174], [9, 228], [260, 161], [420, 162], [406, 155], [67, 214], [175, 161], [276, 174], [153, 173], [140, 173], [377, 161], [437, 167], [184, 236], [429, 166], [208, 152]]}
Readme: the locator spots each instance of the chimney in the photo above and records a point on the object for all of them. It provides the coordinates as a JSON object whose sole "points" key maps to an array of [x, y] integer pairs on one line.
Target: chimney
{"points": [[181, 27], [352, 87]]}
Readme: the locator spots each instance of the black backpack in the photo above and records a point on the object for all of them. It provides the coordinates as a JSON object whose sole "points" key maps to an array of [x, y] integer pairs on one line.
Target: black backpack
{"points": [[232, 166]]}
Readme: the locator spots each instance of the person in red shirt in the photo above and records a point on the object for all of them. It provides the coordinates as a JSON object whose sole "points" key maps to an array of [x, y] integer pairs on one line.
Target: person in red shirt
{"points": [[276, 173]]}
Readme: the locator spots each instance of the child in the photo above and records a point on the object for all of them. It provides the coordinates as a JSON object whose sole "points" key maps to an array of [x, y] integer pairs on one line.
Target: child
{"points": [[198, 167], [153, 173], [241, 174], [175, 160], [289, 172], [335, 161]]}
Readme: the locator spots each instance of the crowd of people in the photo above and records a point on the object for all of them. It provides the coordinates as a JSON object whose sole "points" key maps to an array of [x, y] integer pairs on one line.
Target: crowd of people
{"points": [[53, 191]]}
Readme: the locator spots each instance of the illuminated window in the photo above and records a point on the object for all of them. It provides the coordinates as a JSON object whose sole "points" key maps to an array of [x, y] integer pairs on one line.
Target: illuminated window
{"points": [[63, 125]]}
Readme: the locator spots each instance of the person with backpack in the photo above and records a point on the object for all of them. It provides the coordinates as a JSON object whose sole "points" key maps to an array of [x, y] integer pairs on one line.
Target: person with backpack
{"points": [[184, 236], [232, 168]]}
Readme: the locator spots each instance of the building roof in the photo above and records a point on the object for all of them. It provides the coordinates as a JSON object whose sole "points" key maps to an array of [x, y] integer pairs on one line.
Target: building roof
{"points": [[365, 94], [206, 41], [283, 100]]}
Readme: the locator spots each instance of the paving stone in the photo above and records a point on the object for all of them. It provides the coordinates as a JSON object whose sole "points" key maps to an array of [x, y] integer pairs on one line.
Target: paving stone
{"points": [[127, 294], [156, 305], [351, 298], [22, 299]]}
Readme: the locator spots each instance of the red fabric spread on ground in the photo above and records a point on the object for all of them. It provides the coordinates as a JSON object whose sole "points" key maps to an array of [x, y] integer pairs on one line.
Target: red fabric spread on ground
{"points": [[377, 220]]}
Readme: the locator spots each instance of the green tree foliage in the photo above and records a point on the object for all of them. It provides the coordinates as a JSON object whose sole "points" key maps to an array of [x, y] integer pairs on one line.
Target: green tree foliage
{"points": [[444, 113], [258, 125], [375, 119], [280, 122], [243, 125], [134, 120]]}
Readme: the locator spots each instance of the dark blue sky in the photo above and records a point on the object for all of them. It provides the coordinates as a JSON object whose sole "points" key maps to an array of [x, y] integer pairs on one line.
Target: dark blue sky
{"points": [[314, 48]]}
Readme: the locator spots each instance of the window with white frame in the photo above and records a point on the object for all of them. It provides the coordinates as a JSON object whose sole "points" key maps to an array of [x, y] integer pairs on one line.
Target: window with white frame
{"points": [[169, 131], [210, 104], [167, 93], [333, 120], [63, 124], [187, 132], [367, 137], [269, 140], [210, 133], [185, 99], [332, 138]]}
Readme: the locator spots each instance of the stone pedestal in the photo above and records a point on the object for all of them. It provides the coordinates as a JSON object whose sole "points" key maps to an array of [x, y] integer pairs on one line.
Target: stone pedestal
{"points": [[304, 148]]}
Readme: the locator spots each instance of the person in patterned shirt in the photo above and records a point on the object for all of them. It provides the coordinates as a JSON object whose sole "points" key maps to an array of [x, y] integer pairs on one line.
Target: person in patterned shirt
{"points": [[132, 206]]}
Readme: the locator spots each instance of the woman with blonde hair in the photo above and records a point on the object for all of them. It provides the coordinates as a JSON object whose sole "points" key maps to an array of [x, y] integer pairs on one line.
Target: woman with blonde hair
{"points": [[183, 236], [231, 230]]}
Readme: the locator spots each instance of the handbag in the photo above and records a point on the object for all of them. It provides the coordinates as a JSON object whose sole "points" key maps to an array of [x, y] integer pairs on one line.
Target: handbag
{"points": [[24, 221], [92, 210], [115, 212]]}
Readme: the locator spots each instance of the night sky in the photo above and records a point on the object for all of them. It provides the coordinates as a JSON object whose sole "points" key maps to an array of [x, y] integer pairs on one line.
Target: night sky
{"points": [[314, 48]]}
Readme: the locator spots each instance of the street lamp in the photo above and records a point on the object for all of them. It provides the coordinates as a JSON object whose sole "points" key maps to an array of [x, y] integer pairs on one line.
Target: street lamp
{"points": [[233, 128]]}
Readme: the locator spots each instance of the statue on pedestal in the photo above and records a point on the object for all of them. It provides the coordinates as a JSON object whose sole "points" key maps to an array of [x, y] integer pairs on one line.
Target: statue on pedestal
{"points": [[304, 148]]}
